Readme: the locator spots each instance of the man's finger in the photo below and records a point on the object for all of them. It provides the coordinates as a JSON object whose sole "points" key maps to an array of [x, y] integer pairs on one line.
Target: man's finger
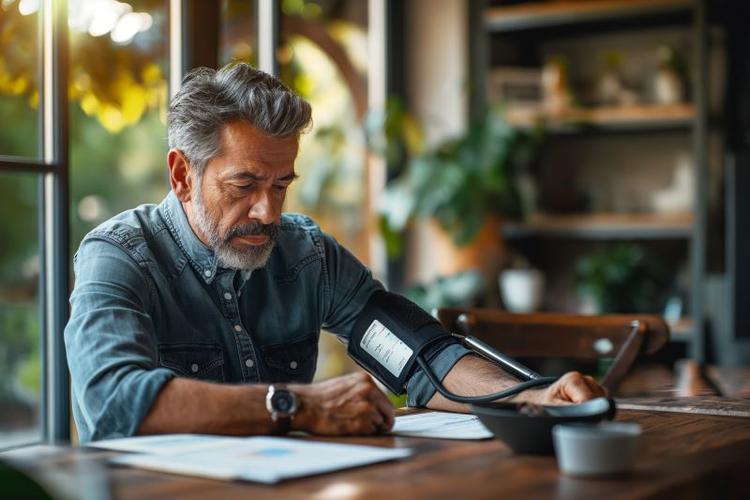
{"points": [[383, 406], [366, 424], [375, 416], [595, 387], [576, 389]]}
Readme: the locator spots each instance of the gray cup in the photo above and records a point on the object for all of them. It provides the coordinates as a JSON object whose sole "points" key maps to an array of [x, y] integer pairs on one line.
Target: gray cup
{"points": [[590, 450]]}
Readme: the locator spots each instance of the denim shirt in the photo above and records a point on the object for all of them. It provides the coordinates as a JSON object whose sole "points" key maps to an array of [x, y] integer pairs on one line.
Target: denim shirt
{"points": [[150, 304]]}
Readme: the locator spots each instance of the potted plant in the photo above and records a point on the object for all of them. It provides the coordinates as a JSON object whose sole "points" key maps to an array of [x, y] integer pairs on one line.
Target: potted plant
{"points": [[620, 279], [462, 186]]}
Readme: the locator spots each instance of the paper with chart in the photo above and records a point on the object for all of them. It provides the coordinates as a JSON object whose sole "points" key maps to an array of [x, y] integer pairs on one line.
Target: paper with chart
{"points": [[163, 444], [260, 459], [441, 425]]}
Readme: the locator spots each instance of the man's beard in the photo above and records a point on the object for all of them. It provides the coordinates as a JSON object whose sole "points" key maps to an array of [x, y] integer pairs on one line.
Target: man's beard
{"points": [[250, 259]]}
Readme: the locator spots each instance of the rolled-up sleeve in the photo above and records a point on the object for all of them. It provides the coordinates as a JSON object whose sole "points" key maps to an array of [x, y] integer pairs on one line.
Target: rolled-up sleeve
{"points": [[419, 390], [349, 286], [110, 343]]}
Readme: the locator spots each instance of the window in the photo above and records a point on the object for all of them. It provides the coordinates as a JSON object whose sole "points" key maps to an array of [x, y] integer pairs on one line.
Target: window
{"points": [[323, 56], [238, 33], [33, 207], [119, 59], [85, 85], [19, 82], [20, 339]]}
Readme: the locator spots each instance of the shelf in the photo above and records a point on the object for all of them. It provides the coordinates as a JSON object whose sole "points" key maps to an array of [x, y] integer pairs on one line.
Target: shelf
{"points": [[607, 118], [549, 14], [603, 226]]}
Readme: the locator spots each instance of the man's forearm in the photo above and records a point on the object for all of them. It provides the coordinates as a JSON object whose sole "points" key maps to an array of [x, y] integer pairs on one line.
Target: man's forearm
{"points": [[475, 376], [192, 406], [351, 404], [471, 376]]}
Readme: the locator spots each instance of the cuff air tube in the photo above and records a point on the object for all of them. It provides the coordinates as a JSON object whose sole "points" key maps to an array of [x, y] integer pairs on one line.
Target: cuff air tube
{"points": [[392, 336]]}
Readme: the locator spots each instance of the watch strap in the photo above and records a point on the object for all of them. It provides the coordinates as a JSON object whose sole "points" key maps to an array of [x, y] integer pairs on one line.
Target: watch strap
{"points": [[280, 423]]}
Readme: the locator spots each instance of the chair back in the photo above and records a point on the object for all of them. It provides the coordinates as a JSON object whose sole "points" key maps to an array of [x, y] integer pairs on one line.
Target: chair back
{"points": [[574, 336]]}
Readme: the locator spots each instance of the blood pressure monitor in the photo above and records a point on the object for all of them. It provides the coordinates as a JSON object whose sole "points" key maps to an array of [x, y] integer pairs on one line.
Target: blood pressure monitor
{"points": [[393, 337]]}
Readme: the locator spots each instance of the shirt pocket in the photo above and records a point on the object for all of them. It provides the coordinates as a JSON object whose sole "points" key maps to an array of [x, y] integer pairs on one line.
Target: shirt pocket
{"points": [[194, 360], [293, 361]]}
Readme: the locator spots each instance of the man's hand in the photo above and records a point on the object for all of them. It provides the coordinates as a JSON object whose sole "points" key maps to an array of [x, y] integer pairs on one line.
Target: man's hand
{"points": [[351, 404], [572, 387]]}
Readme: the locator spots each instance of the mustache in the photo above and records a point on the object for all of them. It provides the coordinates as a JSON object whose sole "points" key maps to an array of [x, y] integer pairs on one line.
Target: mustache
{"points": [[255, 229]]}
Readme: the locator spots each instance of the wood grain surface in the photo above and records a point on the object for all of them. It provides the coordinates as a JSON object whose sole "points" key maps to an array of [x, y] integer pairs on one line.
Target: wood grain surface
{"points": [[732, 381], [681, 456]]}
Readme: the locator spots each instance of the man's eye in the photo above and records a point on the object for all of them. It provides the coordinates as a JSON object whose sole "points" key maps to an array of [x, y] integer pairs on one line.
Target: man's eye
{"points": [[243, 186], [280, 188]]}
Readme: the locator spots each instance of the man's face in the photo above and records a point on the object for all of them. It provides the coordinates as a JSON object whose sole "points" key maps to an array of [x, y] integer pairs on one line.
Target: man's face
{"points": [[236, 207]]}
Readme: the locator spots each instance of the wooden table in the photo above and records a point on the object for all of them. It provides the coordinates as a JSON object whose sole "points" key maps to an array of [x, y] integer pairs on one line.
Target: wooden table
{"points": [[682, 456]]}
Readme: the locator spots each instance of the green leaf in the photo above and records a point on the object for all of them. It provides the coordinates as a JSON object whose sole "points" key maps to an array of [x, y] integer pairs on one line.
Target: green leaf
{"points": [[397, 205]]}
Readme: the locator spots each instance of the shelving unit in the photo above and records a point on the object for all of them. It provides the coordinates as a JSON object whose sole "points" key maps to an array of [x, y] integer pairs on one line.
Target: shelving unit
{"points": [[609, 118], [543, 15], [516, 33], [603, 226]]}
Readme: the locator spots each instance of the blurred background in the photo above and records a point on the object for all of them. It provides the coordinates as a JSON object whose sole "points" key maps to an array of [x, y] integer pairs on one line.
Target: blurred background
{"points": [[564, 155]]}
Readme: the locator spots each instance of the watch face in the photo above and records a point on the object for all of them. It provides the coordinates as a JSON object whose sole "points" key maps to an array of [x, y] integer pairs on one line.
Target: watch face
{"points": [[283, 401]]}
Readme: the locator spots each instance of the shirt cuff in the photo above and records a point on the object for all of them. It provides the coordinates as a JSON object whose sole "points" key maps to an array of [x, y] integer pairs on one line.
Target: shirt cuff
{"points": [[123, 410], [419, 390]]}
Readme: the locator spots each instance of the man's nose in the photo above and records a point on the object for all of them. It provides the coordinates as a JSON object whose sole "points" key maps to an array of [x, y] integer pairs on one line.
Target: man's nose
{"points": [[264, 209]]}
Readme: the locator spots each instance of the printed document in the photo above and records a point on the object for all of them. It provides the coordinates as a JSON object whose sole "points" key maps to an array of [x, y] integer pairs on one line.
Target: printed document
{"points": [[441, 425], [164, 444], [261, 459]]}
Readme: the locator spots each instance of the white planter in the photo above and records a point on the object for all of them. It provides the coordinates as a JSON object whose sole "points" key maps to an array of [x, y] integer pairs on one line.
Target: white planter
{"points": [[522, 290]]}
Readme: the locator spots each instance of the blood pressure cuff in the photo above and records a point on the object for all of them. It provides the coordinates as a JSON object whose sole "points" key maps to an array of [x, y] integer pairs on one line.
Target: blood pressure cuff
{"points": [[389, 334]]}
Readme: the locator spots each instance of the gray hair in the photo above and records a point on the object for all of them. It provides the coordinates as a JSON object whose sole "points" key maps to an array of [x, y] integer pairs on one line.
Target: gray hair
{"points": [[209, 99]]}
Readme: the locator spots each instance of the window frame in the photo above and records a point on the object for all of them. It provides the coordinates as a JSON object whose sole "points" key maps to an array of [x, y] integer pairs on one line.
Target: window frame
{"points": [[52, 168]]}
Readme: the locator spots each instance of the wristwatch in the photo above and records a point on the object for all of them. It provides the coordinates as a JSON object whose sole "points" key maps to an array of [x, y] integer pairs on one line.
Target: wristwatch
{"points": [[282, 405]]}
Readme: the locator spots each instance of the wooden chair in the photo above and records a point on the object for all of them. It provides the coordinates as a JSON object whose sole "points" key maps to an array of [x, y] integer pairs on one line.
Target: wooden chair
{"points": [[578, 337]]}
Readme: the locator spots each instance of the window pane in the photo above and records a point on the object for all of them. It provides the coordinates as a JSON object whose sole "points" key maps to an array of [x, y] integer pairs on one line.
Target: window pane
{"points": [[323, 57], [239, 37], [19, 78], [118, 89], [20, 314]]}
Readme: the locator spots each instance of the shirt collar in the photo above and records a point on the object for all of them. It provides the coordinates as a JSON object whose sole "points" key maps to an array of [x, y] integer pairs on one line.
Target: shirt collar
{"points": [[202, 258]]}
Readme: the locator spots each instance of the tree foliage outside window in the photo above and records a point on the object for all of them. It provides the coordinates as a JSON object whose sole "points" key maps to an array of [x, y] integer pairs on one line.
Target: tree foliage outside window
{"points": [[323, 57], [118, 101], [19, 310], [20, 370]]}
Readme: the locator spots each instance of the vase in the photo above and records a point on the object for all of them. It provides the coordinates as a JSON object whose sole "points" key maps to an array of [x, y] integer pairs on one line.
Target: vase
{"points": [[522, 290], [432, 254]]}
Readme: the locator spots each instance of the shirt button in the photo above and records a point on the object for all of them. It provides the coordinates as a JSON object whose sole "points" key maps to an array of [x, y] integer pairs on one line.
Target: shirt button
{"points": [[293, 365], [249, 363], [227, 295], [207, 273], [194, 368], [237, 328]]}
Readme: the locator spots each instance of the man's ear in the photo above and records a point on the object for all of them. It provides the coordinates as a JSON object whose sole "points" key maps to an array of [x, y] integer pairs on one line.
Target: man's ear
{"points": [[179, 175]]}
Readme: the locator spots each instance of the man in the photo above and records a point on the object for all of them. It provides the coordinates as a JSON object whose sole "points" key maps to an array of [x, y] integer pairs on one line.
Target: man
{"points": [[185, 312]]}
